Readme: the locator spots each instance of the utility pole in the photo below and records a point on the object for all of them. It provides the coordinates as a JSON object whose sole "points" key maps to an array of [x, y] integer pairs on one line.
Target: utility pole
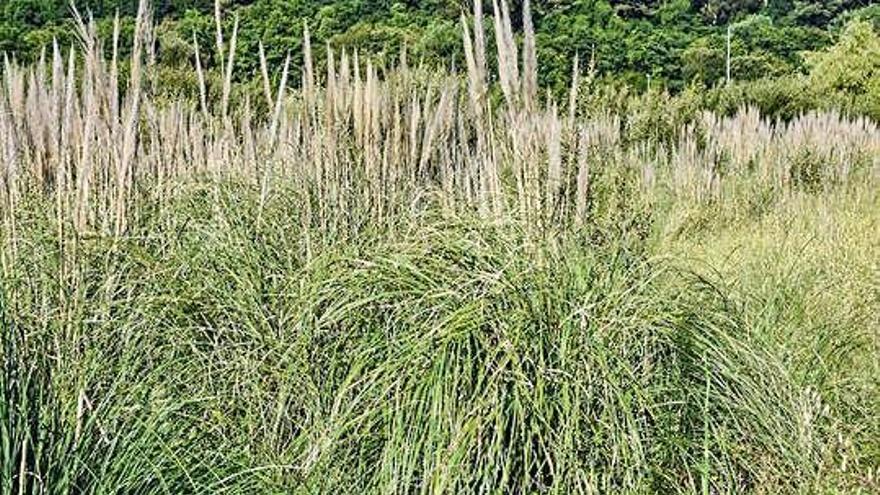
{"points": [[727, 72]]}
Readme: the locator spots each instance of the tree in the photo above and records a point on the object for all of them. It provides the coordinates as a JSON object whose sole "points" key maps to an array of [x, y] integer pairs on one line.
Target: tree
{"points": [[849, 70], [719, 12], [851, 65]]}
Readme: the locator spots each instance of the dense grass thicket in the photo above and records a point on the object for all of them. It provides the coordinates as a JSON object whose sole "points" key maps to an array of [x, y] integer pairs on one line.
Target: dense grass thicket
{"points": [[403, 281]]}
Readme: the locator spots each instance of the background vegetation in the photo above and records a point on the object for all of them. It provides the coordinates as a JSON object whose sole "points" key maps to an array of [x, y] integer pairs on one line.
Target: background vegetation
{"points": [[668, 45]]}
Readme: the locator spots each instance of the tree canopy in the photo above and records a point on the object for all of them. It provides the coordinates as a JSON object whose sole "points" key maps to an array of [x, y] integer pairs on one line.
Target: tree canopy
{"points": [[673, 43]]}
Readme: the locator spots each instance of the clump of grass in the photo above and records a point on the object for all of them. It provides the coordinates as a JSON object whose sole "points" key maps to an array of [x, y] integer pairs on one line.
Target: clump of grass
{"points": [[218, 352]]}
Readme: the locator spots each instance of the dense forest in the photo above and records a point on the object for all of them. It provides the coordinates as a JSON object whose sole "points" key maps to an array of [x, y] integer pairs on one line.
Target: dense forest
{"points": [[669, 43]]}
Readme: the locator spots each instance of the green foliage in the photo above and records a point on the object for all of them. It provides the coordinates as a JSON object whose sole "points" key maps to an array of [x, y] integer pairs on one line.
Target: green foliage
{"points": [[851, 66], [844, 76], [870, 14], [671, 43], [784, 97], [759, 48], [819, 12]]}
